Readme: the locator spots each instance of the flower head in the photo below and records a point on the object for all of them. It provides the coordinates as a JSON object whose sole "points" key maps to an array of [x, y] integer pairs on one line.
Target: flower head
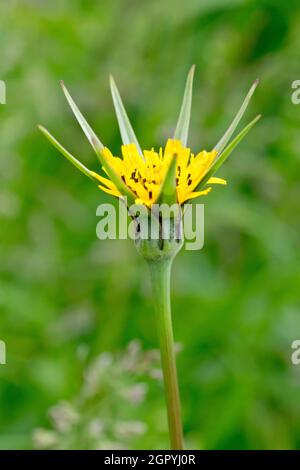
{"points": [[173, 174], [145, 177]]}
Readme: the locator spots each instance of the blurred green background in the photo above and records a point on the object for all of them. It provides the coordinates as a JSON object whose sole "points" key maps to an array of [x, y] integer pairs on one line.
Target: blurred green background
{"points": [[70, 304]]}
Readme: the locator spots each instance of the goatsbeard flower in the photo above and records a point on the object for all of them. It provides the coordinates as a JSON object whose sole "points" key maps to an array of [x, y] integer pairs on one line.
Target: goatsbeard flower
{"points": [[144, 177], [173, 175]]}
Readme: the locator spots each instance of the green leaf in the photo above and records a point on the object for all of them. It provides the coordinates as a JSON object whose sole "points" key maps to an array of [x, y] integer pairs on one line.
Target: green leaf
{"points": [[115, 178], [90, 134], [126, 130], [223, 141], [182, 127], [225, 154], [167, 193], [65, 153]]}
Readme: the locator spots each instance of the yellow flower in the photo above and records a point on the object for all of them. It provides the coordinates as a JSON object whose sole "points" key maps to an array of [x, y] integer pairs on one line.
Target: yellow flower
{"points": [[164, 177], [144, 177], [149, 176]]}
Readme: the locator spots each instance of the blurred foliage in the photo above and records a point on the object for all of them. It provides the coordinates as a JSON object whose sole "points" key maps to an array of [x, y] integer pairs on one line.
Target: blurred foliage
{"points": [[65, 295], [103, 414]]}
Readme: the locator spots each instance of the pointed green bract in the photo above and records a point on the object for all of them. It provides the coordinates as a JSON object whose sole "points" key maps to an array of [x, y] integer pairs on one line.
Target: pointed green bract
{"points": [[126, 130], [225, 154], [65, 153], [168, 193], [90, 134], [115, 178], [223, 141], [183, 123]]}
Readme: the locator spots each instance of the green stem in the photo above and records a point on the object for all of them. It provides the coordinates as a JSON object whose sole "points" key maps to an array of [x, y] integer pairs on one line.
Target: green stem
{"points": [[160, 276]]}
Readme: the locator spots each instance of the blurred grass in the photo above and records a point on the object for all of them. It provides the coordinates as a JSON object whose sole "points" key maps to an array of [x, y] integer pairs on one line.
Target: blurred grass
{"points": [[236, 302]]}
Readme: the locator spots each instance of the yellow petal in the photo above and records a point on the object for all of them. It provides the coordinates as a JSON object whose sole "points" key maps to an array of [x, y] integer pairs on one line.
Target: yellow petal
{"points": [[172, 146], [130, 151], [141, 202], [104, 181], [204, 192], [107, 153], [214, 180], [187, 196], [112, 192]]}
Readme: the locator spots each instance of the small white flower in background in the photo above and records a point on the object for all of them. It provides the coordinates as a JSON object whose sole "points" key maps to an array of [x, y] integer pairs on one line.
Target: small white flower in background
{"points": [[95, 419]]}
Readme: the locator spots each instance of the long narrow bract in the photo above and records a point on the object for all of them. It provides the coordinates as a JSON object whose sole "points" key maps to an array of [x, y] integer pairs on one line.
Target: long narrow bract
{"points": [[167, 193], [228, 150], [183, 123], [66, 153], [90, 134], [226, 137], [127, 133], [120, 185]]}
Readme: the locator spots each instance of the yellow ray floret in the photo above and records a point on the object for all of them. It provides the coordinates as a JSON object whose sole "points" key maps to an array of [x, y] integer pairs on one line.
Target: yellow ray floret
{"points": [[144, 177]]}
